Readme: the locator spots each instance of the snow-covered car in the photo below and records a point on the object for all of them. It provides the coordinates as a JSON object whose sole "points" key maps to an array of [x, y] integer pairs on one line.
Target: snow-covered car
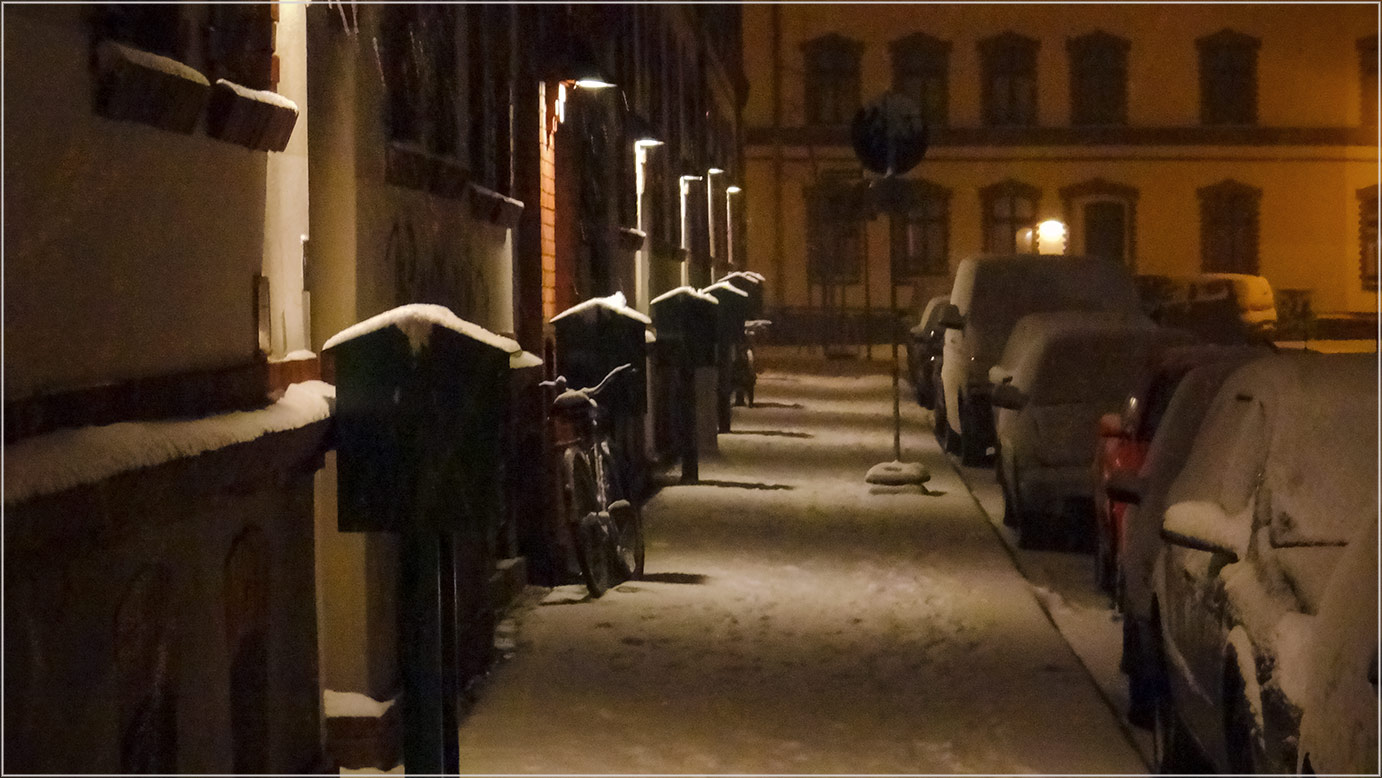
{"points": [[1220, 307], [1059, 373], [1338, 725], [1145, 497], [1282, 474], [924, 342], [990, 294], [1125, 437]]}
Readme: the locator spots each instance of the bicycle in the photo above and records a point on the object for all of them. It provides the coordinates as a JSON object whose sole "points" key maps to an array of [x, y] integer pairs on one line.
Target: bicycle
{"points": [[606, 528]]}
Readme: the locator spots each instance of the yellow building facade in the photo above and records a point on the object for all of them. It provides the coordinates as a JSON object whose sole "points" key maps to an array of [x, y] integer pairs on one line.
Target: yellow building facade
{"points": [[1173, 138]]}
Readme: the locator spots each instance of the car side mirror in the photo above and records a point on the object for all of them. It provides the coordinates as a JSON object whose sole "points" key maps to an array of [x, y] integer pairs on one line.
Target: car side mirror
{"points": [[1111, 426], [951, 318], [1124, 487], [1010, 397], [1204, 526]]}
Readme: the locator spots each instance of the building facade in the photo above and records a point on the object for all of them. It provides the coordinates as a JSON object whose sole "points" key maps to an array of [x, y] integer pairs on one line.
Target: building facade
{"points": [[1174, 139], [198, 197]]}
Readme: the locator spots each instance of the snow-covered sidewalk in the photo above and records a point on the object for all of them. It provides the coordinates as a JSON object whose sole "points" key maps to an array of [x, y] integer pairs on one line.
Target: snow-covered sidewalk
{"points": [[796, 620]]}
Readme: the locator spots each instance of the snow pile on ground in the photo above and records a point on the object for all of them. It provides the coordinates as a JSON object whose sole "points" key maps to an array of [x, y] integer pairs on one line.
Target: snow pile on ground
{"points": [[416, 321], [67, 458]]}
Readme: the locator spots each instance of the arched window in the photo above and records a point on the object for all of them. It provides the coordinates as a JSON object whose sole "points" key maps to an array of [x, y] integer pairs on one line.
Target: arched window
{"points": [[246, 584], [921, 232], [144, 683], [831, 87], [921, 71], [1008, 206], [1228, 78], [1367, 237], [1010, 80], [1229, 227], [1098, 79]]}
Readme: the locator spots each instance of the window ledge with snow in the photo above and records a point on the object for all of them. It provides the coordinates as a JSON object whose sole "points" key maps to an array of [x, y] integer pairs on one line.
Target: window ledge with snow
{"points": [[257, 119], [411, 166], [137, 86], [493, 207]]}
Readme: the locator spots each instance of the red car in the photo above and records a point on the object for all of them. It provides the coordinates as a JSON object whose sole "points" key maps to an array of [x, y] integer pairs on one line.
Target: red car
{"points": [[1123, 441]]}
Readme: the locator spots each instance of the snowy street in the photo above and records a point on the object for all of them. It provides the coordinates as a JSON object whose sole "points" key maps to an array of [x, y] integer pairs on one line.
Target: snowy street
{"points": [[792, 620]]}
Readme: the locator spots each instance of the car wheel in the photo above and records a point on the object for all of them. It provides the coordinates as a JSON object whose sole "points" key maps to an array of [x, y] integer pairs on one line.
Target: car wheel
{"points": [[972, 452]]}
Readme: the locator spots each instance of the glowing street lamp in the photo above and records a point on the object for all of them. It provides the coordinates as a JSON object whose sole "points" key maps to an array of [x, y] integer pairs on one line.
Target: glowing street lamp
{"points": [[710, 214], [730, 192], [640, 265], [685, 264]]}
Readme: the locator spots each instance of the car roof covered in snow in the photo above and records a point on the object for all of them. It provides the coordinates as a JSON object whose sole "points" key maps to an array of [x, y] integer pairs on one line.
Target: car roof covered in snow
{"points": [[1072, 356], [994, 292], [1307, 422]]}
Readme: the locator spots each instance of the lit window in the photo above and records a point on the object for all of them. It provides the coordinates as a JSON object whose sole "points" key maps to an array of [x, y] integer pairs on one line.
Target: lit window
{"points": [[832, 79], [1009, 87], [921, 70], [1228, 78], [1008, 206], [1229, 227], [1098, 79]]}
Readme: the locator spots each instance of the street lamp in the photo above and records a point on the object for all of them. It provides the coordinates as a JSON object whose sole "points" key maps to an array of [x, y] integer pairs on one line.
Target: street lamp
{"points": [[730, 192], [640, 265], [685, 263], [710, 214]]}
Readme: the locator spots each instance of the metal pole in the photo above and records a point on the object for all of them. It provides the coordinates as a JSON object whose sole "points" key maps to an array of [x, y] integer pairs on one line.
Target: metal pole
{"points": [[420, 654]]}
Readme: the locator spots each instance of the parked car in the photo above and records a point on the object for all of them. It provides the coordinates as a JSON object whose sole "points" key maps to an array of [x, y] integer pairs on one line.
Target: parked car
{"points": [[1145, 498], [1338, 725], [990, 294], [1282, 474], [1124, 438], [1220, 307], [1059, 373], [924, 344]]}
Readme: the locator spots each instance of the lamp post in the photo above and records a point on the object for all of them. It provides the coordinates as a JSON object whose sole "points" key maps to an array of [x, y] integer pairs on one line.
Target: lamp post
{"points": [[640, 265], [710, 215], [686, 261], [730, 192]]}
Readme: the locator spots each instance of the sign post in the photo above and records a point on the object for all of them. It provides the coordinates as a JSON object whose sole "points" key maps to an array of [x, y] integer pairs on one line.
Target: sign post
{"points": [[890, 138]]}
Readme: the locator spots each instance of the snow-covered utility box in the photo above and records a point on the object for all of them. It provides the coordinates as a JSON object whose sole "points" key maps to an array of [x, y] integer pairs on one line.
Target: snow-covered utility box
{"points": [[421, 396], [598, 335], [731, 312], [752, 284], [685, 319]]}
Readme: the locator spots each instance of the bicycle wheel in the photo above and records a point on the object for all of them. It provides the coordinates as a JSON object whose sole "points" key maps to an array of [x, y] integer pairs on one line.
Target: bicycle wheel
{"points": [[626, 521], [581, 514]]}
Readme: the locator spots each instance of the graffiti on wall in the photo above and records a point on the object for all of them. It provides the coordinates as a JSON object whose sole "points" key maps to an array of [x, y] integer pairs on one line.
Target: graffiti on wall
{"points": [[431, 266]]}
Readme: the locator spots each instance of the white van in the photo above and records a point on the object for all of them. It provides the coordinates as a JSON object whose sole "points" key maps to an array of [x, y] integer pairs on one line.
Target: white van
{"points": [[990, 294]]}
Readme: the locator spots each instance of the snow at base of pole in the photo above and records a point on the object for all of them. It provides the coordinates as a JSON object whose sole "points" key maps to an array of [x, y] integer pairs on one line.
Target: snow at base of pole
{"points": [[897, 473], [64, 459], [352, 705]]}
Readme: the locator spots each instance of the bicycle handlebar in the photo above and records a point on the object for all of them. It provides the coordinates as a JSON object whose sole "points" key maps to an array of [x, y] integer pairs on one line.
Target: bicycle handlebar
{"points": [[590, 392]]}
